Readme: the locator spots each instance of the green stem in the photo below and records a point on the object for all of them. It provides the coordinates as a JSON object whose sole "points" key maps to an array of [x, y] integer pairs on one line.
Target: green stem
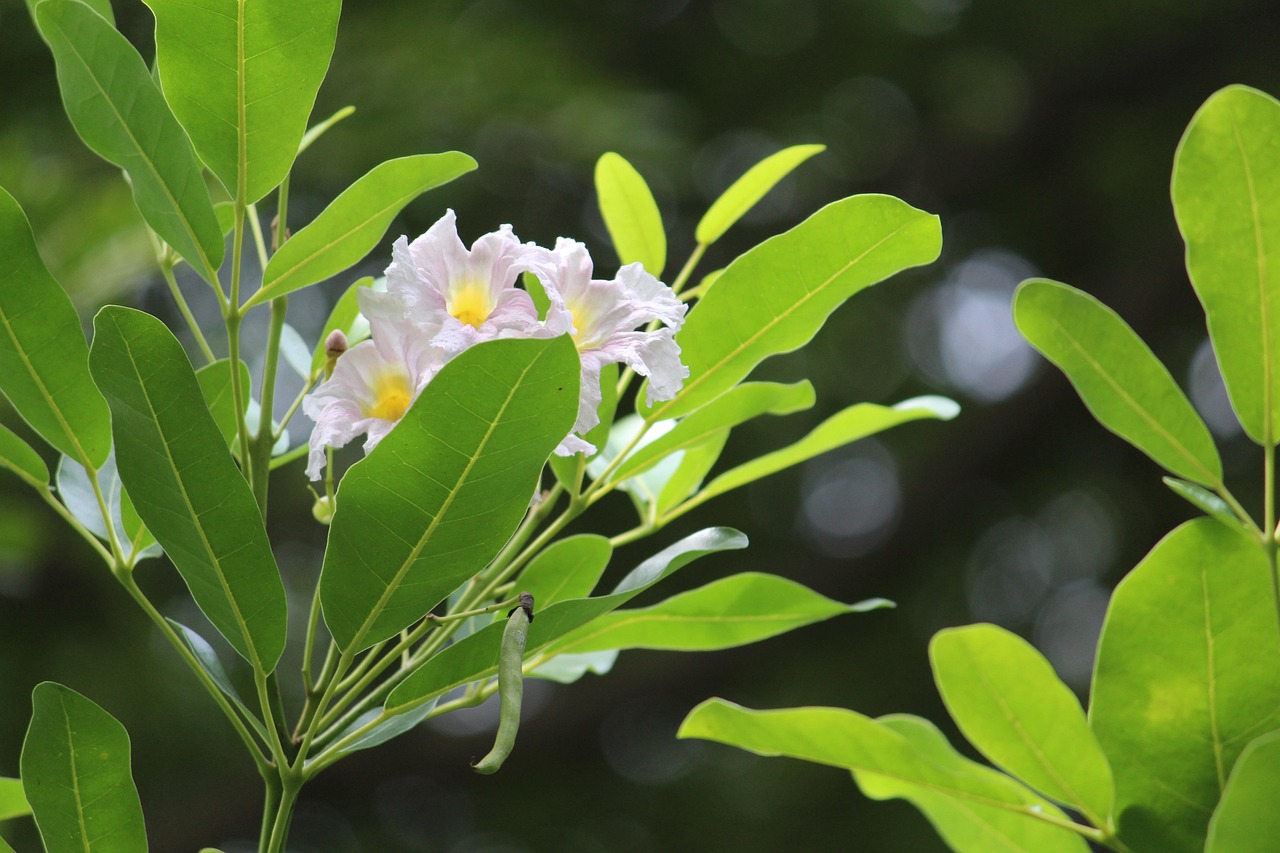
{"points": [[265, 439], [270, 807], [638, 532], [682, 278], [166, 269], [282, 212], [288, 416], [233, 318], [256, 227], [47, 496], [284, 814], [117, 553], [285, 458]]}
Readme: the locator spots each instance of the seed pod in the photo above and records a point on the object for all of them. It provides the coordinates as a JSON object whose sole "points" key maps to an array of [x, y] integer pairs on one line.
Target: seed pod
{"points": [[510, 685]]}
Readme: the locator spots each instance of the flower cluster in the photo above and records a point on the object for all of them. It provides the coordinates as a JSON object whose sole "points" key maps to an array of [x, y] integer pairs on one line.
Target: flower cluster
{"points": [[442, 298]]}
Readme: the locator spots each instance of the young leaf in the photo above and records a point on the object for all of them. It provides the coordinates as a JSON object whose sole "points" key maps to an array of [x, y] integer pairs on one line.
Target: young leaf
{"points": [[1125, 387], [185, 487], [17, 456], [1173, 722], [768, 302], [851, 741], [736, 406], [968, 826], [13, 803], [343, 318], [857, 421], [1205, 500], [439, 497], [120, 114], [754, 185], [568, 568], [355, 221], [1008, 702], [319, 130], [1246, 819], [1226, 197], [630, 214], [76, 775], [44, 360], [208, 658], [732, 611], [242, 78], [473, 657]]}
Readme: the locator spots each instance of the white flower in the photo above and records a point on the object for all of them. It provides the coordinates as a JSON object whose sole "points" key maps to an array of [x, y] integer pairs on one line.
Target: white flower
{"points": [[603, 317], [373, 383], [462, 297]]}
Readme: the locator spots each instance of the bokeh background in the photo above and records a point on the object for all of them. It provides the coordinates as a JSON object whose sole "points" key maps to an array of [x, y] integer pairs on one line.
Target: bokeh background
{"points": [[1043, 133]]}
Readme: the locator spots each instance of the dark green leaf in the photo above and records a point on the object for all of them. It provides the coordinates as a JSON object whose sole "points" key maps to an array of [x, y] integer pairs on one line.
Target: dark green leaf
{"points": [[438, 498], [184, 484], [1205, 500], [76, 775]]}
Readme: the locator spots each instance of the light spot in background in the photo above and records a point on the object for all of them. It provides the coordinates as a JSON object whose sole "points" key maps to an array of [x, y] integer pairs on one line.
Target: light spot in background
{"points": [[929, 17], [1082, 533], [638, 741], [1009, 572], [961, 335], [985, 93], [1067, 630], [422, 814], [1209, 393], [849, 505], [766, 28], [867, 121]]}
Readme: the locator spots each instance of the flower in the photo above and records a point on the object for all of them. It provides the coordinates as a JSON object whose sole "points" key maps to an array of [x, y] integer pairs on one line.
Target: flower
{"points": [[461, 297], [603, 317], [373, 383]]}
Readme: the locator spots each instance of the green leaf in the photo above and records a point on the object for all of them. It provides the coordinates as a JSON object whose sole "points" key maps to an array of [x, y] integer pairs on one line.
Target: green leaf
{"points": [[215, 386], [75, 771], [855, 422], [732, 611], [355, 221], [344, 318], [568, 568], [630, 214], [1226, 196], [754, 185], [319, 130], [566, 467], [120, 114], [774, 298], [384, 731], [1008, 702], [1121, 381], [102, 7], [567, 669], [738, 405], [209, 662], [1246, 820], [851, 741], [185, 486], [44, 360], [967, 826], [242, 78], [438, 498], [76, 491], [695, 464], [1185, 677], [475, 656], [1205, 500], [13, 803], [18, 457]]}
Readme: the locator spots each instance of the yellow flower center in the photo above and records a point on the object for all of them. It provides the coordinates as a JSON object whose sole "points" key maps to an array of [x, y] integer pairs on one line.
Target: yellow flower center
{"points": [[391, 397], [469, 302]]}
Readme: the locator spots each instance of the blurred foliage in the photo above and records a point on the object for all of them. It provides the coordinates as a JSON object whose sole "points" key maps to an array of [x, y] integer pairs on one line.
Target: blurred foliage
{"points": [[1041, 132]]}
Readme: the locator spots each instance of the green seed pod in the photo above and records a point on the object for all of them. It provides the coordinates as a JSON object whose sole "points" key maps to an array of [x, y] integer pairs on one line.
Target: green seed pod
{"points": [[510, 685]]}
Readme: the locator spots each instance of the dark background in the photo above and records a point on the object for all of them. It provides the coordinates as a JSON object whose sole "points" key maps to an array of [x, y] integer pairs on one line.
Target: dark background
{"points": [[1042, 133]]}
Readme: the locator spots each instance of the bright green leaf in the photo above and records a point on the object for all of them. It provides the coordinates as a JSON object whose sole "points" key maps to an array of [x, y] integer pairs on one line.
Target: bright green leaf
{"points": [[774, 298], [695, 464], [1205, 500], [13, 803], [855, 422], [968, 826], [317, 131], [630, 214], [1125, 387], [851, 741], [344, 318], [1185, 677], [476, 656], [76, 775], [736, 406], [215, 386], [754, 185], [1008, 702], [1246, 820], [568, 568], [438, 498], [17, 456], [355, 221], [120, 114], [185, 486], [1226, 196], [732, 611], [242, 78], [43, 355]]}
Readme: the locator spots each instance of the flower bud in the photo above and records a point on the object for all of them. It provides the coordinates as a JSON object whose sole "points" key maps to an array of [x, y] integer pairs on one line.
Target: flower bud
{"points": [[334, 346], [322, 509]]}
